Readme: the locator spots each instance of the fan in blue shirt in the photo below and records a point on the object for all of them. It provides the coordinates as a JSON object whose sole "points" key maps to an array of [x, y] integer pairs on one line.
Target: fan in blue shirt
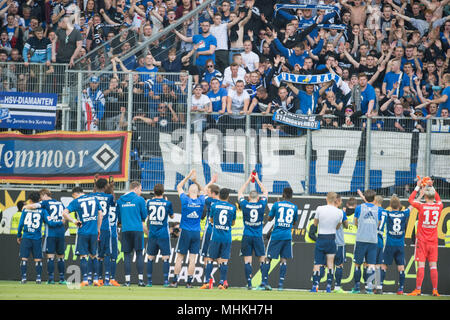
{"points": [[30, 223], [89, 214], [253, 215], [192, 205], [284, 213], [218, 97], [54, 236], [205, 44], [308, 99], [159, 210], [223, 217]]}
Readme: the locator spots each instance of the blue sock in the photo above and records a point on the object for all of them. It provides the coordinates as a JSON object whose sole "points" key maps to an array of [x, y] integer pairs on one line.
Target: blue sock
{"points": [[248, 273], [51, 269], [61, 268], [175, 278], [316, 278], [127, 266], [149, 270], [338, 276], [38, 270], [140, 264], [401, 279], [166, 268], [107, 263], [365, 275], [382, 276], [330, 277], [189, 279], [113, 266], [90, 266], [322, 272], [100, 268], [357, 277], [223, 271], [283, 268], [94, 268], [84, 268], [265, 268], [208, 270], [23, 269]]}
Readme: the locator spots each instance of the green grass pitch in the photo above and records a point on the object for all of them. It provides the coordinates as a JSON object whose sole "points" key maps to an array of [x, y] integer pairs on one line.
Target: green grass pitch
{"points": [[13, 290]]}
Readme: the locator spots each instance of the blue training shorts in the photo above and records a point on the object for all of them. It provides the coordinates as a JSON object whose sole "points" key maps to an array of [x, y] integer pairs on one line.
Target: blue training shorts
{"points": [[54, 245], [86, 244], [279, 248], [33, 246], [365, 251], [132, 240], [252, 244], [158, 244], [188, 241], [392, 253]]}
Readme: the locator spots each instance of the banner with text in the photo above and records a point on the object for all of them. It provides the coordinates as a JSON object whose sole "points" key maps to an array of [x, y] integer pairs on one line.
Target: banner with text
{"points": [[296, 120], [25, 110], [63, 157]]}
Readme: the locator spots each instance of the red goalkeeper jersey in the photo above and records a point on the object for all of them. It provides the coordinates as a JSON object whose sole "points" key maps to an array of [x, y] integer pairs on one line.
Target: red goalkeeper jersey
{"points": [[429, 214]]}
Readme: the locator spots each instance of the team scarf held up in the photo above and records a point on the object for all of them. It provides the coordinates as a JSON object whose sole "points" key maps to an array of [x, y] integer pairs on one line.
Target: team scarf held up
{"points": [[306, 78], [312, 7]]}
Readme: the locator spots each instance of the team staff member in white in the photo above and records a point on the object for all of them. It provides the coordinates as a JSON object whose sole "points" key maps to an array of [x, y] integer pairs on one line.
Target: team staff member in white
{"points": [[328, 219]]}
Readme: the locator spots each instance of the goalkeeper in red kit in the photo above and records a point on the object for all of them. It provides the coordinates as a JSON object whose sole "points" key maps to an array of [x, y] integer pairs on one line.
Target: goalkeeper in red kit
{"points": [[427, 234]]}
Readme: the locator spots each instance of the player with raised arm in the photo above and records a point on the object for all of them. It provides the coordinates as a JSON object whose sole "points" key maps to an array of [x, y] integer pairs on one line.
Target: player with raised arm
{"points": [[106, 201], [395, 221], [30, 242], [285, 214], [54, 236], [427, 234], [212, 195], [131, 215], [159, 210], [367, 218], [89, 215], [223, 217], [253, 215], [192, 205], [328, 219]]}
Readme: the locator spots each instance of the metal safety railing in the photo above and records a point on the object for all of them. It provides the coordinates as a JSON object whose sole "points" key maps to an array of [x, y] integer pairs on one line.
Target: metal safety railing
{"points": [[169, 138]]}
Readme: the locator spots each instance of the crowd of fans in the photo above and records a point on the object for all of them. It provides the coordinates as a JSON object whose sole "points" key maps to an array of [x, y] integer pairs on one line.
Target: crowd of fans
{"points": [[392, 59]]}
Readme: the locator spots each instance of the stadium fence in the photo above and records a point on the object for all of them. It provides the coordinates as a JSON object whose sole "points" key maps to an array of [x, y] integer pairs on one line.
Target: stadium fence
{"points": [[169, 139]]}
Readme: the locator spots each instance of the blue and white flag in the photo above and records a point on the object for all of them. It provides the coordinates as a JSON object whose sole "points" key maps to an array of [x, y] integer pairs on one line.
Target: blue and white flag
{"points": [[26, 110], [306, 78]]}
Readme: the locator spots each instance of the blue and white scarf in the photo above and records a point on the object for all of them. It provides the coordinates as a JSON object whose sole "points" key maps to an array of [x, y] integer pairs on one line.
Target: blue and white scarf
{"points": [[306, 78]]}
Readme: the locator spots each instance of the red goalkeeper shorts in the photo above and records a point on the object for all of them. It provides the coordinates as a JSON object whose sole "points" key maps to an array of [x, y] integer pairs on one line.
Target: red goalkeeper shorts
{"points": [[426, 251]]}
